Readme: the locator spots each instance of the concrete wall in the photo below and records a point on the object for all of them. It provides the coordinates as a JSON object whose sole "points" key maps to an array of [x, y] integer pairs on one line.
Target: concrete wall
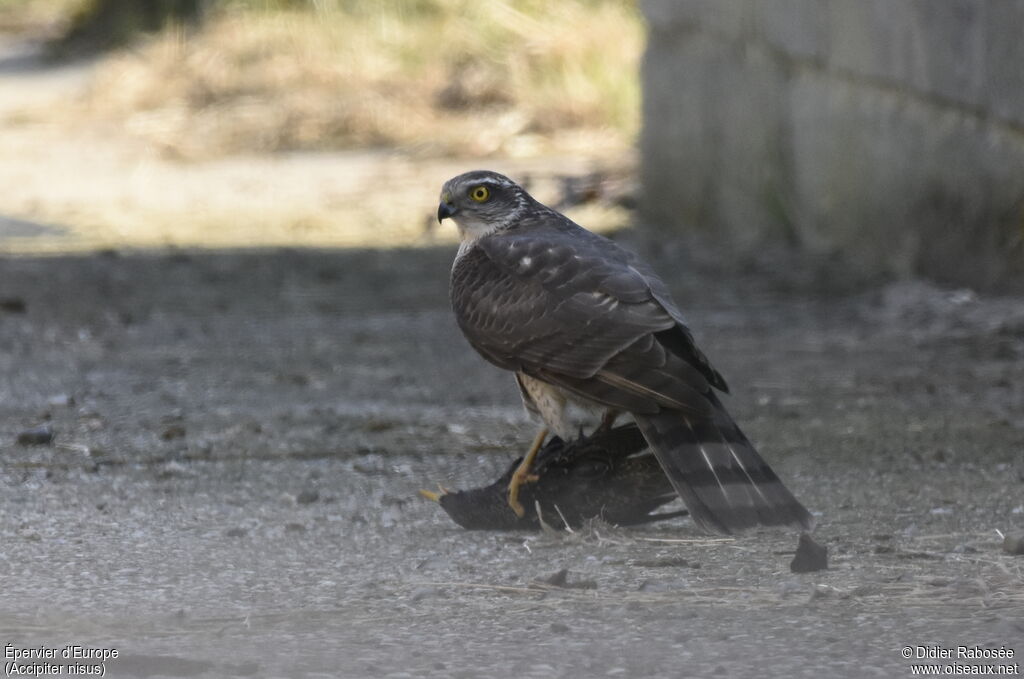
{"points": [[890, 131]]}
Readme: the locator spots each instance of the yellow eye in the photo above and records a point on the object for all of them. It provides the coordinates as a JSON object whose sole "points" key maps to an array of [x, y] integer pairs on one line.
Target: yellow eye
{"points": [[480, 194]]}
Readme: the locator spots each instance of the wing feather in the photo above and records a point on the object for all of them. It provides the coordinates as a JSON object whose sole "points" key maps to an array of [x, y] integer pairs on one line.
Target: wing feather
{"points": [[574, 309]]}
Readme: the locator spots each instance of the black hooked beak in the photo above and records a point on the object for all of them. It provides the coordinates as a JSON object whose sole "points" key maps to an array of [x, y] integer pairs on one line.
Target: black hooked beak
{"points": [[444, 210]]}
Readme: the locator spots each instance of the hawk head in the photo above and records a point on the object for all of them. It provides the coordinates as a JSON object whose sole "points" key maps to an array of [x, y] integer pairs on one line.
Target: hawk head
{"points": [[481, 202]]}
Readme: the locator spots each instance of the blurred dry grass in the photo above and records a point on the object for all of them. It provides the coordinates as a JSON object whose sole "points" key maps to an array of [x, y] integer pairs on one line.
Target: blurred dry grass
{"points": [[464, 78], [36, 16], [405, 91]]}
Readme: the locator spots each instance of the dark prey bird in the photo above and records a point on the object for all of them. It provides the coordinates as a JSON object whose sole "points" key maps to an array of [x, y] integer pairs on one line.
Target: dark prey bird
{"points": [[579, 319], [610, 475]]}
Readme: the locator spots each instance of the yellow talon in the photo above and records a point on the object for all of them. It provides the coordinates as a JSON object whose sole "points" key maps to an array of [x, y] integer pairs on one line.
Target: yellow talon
{"points": [[522, 474], [436, 497]]}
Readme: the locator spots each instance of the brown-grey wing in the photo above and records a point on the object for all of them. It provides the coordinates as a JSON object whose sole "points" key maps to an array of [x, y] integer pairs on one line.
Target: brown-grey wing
{"points": [[681, 339], [573, 312]]}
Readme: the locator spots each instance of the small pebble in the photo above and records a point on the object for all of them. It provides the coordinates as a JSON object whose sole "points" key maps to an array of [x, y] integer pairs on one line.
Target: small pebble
{"points": [[308, 496], [1013, 543], [810, 556], [791, 587], [60, 401], [557, 579], [36, 436], [561, 579], [663, 585], [820, 592], [174, 431], [235, 532], [13, 305]]}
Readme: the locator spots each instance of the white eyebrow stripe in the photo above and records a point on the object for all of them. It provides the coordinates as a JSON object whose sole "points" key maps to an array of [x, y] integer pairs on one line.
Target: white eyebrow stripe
{"points": [[493, 181]]}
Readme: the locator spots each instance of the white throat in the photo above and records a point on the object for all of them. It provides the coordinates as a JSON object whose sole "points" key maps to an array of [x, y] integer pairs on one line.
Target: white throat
{"points": [[472, 230]]}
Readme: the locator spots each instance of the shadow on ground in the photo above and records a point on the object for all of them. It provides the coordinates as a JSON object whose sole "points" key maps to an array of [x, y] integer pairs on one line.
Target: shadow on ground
{"points": [[239, 437]]}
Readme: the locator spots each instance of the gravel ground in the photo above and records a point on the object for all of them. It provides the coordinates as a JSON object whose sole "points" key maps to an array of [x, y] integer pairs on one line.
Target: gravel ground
{"points": [[239, 437]]}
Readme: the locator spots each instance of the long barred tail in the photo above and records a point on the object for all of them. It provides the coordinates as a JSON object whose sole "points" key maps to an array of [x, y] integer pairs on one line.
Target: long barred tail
{"points": [[724, 482]]}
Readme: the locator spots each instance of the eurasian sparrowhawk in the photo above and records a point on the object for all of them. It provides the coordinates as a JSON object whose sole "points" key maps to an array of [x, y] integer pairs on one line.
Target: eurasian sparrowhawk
{"points": [[579, 319]]}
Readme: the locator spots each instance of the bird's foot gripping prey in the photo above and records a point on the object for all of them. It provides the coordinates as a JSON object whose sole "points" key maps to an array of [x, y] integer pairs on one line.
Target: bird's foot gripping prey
{"points": [[522, 474], [609, 475], [579, 319]]}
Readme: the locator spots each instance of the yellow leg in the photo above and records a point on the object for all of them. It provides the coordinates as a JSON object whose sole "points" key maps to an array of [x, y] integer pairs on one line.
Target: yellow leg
{"points": [[522, 474]]}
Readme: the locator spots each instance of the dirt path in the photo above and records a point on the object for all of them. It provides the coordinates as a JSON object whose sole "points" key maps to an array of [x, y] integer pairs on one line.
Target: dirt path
{"points": [[240, 438]]}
